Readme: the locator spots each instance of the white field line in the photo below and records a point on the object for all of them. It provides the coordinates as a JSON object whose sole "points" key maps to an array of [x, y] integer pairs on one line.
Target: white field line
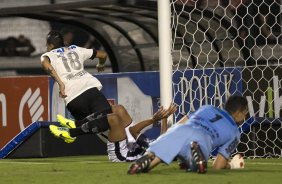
{"points": [[250, 162], [99, 162], [262, 163], [27, 163], [46, 163]]}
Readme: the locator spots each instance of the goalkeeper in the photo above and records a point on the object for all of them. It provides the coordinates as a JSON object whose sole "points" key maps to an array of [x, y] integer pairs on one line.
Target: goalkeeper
{"points": [[193, 139]]}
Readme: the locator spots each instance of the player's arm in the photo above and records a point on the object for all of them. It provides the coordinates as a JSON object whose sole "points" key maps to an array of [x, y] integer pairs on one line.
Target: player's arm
{"points": [[220, 162], [222, 159], [160, 114], [93, 53], [237, 162], [170, 111], [102, 56], [51, 71], [164, 126]]}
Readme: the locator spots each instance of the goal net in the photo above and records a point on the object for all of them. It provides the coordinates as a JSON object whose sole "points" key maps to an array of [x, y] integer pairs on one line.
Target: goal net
{"points": [[220, 48]]}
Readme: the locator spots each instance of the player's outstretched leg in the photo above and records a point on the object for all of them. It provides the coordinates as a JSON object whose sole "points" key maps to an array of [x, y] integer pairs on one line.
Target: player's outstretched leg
{"points": [[140, 165], [62, 132], [200, 164], [65, 122]]}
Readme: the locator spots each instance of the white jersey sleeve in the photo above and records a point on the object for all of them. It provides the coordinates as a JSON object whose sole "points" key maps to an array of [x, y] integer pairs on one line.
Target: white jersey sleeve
{"points": [[86, 53]]}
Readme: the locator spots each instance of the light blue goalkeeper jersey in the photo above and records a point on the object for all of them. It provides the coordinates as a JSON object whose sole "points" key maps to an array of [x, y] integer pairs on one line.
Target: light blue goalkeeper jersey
{"points": [[211, 127], [219, 125]]}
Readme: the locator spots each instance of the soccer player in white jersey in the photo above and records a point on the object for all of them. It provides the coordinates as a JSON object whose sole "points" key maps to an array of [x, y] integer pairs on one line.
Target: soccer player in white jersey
{"points": [[80, 90], [193, 139]]}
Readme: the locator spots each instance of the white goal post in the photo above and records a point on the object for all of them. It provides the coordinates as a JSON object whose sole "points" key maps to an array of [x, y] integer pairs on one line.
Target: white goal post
{"points": [[165, 60]]}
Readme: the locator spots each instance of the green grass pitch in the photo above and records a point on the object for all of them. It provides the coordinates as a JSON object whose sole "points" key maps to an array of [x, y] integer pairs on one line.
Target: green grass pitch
{"points": [[98, 170]]}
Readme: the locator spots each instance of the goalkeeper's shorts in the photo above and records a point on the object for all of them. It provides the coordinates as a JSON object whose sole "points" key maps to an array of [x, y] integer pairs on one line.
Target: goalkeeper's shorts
{"points": [[176, 142]]}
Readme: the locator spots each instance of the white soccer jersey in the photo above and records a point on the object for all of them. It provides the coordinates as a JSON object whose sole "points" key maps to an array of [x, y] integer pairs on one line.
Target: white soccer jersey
{"points": [[68, 62]]}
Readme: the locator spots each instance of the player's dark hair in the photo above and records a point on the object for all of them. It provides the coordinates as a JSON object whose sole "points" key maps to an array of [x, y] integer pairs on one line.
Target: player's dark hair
{"points": [[235, 103], [55, 38]]}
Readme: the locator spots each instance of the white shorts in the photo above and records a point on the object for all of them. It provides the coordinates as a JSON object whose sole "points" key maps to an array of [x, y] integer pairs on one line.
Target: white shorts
{"points": [[117, 151], [126, 150]]}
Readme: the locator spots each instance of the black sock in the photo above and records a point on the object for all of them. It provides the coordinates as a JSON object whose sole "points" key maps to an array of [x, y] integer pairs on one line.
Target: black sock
{"points": [[93, 116], [96, 126], [74, 132], [141, 141]]}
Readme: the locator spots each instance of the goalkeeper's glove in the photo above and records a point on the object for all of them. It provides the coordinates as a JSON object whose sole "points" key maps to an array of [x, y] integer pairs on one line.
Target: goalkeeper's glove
{"points": [[237, 162]]}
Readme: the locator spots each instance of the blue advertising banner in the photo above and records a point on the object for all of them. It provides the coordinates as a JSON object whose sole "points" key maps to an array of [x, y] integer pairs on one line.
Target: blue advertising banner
{"points": [[194, 88]]}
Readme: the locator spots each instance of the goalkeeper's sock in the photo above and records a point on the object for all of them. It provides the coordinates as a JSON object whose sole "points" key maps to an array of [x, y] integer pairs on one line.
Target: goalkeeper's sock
{"points": [[74, 132]]}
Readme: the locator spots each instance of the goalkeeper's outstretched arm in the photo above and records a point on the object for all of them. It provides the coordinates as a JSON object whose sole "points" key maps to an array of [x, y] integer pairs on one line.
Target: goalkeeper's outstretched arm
{"points": [[220, 162]]}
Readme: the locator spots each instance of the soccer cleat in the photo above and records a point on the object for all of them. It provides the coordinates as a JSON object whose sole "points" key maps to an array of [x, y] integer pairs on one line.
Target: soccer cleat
{"points": [[65, 122], [182, 163], [183, 166], [199, 162], [134, 168], [62, 132], [141, 165]]}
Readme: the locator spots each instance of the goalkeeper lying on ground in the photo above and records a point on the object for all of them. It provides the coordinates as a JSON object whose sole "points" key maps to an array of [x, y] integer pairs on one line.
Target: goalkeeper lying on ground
{"points": [[124, 142], [193, 139]]}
